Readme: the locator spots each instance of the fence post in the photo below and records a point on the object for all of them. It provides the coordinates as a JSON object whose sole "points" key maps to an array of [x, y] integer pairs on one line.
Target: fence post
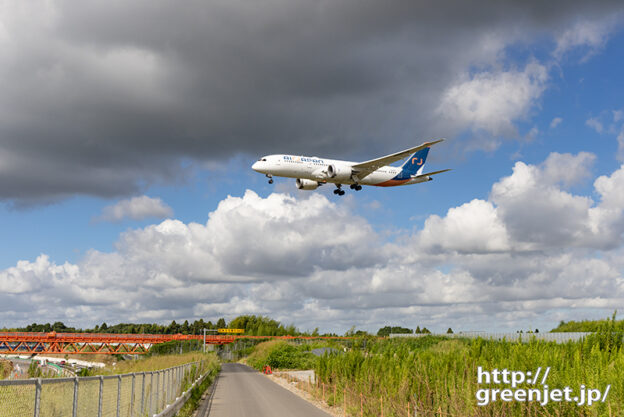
{"points": [[143, 396], [132, 397], [344, 402], [168, 390], [179, 380], [100, 396], [176, 376], [37, 396], [151, 394], [118, 394], [157, 392], [75, 405], [164, 386]]}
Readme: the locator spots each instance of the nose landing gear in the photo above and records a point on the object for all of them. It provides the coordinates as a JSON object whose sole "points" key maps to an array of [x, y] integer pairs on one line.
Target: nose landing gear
{"points": [[270, 177], [356, 187]]}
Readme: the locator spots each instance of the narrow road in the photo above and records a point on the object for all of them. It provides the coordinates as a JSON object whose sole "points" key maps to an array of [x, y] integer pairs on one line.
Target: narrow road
{"points": [[244, 392]]}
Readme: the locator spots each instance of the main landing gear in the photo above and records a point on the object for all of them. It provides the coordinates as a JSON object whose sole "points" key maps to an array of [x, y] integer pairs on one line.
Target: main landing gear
{"points": [[339, 190], [356, 187], [270, 177]]}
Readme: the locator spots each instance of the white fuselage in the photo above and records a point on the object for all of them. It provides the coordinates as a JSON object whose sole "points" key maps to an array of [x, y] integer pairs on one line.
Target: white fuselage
{"points": [[316, 169]]}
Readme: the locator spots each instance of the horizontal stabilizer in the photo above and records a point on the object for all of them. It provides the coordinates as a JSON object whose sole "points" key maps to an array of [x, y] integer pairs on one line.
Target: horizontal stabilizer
{"points": [[428, 174]]}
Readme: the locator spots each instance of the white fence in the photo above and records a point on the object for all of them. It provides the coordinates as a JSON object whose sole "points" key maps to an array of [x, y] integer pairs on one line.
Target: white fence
{"points": [[129, 395], [524, 337]]}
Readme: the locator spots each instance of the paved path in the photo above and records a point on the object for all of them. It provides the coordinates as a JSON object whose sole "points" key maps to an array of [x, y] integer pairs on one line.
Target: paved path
{"points": [[244, 392]]}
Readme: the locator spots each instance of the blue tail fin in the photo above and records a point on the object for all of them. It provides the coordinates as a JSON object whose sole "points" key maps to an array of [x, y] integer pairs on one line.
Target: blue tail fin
{"points": [[415, 163]]}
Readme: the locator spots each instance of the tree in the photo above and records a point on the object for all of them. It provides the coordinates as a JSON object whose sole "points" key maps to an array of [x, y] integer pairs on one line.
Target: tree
{"points": [[449, 331], [385, 331], [221, 323]]}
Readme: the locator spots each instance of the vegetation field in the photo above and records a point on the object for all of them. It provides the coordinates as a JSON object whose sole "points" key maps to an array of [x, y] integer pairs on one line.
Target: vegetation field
{"points": [[5, 368], [439, 377], [279, 354], [157, 362]]}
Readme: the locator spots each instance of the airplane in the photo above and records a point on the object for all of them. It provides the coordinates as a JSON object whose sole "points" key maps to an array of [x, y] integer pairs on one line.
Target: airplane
{"points": [[312, 172]]}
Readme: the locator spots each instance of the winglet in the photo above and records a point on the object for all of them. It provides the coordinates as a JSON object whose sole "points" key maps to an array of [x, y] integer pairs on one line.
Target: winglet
{"points": [[433, 143]]}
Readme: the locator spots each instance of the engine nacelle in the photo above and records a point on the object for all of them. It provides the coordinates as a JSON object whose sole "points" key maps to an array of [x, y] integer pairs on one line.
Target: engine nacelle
{"points": [[303, 184], [339, 172]]}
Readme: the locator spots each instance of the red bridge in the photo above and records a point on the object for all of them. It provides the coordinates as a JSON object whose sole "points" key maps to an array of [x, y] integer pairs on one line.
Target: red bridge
{"points": [[103, 343]]}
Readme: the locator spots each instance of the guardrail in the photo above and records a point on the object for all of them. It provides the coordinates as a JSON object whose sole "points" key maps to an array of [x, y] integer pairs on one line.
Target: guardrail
{"points": [[524, 337], [128, 395]]}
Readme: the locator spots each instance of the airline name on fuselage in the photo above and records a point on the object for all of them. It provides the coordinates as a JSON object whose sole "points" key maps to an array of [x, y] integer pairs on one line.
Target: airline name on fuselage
{"points": [[303, 159]]}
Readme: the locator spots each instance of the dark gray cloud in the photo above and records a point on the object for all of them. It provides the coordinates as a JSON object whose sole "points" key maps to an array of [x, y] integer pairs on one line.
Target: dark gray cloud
{"points": [[101, 98]]}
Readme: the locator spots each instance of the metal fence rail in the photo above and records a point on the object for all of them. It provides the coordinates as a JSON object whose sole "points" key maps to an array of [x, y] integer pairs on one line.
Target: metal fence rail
{"points": [[129, 395], [562, 337]]}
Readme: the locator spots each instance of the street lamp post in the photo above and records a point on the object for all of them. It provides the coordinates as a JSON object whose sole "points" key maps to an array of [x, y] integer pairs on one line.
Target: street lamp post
{"points": [[207, 330]]}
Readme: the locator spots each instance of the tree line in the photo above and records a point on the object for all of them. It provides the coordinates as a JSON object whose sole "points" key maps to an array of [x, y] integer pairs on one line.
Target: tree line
{"points": [[252, 324]]}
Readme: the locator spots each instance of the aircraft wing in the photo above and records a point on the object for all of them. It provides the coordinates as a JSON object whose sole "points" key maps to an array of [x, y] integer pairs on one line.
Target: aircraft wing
{"points": [[362, 169]]}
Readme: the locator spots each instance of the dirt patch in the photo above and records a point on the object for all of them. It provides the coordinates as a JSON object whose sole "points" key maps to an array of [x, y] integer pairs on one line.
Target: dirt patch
{"points": [[280, 379]]}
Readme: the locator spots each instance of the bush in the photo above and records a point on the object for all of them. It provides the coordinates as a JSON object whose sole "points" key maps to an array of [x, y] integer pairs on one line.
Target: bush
{"points": [[280, 354]]}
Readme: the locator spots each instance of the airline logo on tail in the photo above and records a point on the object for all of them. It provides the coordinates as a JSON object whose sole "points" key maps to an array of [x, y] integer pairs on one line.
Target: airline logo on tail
{"points": [[414, 165]]}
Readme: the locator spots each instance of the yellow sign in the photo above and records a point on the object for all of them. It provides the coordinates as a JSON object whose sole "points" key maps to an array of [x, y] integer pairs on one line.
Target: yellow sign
{"points": [[231, 330]]}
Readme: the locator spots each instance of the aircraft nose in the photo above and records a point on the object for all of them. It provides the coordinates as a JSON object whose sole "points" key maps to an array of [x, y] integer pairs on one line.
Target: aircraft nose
{"points": [[255, 166]]}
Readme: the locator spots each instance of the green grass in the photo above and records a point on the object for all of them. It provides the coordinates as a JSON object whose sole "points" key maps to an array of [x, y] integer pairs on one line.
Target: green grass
{"points": [[279, 354], [193, 402], [440, 375], [5, 368]]}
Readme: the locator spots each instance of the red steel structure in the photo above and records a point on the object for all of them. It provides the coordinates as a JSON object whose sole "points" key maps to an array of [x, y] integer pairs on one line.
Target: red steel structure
{"points": [[103, 343]]}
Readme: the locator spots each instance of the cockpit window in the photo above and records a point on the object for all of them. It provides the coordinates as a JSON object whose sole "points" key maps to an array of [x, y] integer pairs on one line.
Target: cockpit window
{"points": [[262, 160]]}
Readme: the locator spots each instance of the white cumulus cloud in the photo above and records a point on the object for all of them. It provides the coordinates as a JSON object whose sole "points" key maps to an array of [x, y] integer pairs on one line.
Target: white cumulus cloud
{"points": [[491, 101], [136, 208], [589, 34], [531, 251]]}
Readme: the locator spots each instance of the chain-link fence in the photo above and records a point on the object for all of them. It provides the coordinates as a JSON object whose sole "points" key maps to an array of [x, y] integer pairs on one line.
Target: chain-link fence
{"points": [[559, 337], [129, 395]]}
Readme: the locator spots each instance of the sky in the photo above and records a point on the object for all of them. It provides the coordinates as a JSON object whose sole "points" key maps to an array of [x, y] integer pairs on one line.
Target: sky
{"points": [[127, 132]]}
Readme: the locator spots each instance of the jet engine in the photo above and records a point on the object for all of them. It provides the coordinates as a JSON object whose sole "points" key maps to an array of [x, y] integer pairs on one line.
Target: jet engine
{"points": [[339, 172], [303, 184]]}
